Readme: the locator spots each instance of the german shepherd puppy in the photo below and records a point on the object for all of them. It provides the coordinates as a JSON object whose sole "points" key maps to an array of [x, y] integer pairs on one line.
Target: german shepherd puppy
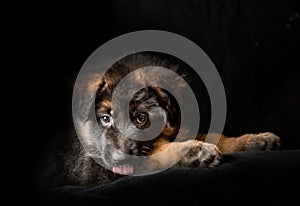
{"points": [[111, 148]]}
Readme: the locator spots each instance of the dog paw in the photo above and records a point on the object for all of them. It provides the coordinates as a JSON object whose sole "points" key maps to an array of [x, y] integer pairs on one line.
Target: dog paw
{"points": [[263, 142], [203, 155]]}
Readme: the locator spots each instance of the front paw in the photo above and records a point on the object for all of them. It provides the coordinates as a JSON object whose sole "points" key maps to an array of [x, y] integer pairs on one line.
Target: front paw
{"points": [[263, 142], [203, 155]]}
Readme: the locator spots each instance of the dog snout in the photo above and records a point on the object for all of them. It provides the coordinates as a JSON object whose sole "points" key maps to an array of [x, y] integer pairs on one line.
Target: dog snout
{"points": [[118, 156], [131, 148], [127, 149]]}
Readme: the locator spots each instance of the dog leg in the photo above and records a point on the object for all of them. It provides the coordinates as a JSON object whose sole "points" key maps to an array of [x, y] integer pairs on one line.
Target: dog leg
{"points": [[250, 142], [192, 153]]}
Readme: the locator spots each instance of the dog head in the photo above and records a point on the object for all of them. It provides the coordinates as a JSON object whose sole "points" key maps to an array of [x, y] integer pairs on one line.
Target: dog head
{"points": [[122, 127]]}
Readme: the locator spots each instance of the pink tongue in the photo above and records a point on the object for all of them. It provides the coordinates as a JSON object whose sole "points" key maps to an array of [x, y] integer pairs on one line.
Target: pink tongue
{"points": [[123, 169]]}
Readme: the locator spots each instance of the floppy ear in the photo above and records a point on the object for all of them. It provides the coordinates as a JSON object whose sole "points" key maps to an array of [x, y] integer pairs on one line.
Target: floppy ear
{"points": [[84, 111], [170, 105], [177, 88], [162, 80], [84, 100]]}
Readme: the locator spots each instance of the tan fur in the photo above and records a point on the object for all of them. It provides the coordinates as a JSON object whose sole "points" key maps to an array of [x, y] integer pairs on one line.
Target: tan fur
{"points": [[205, 151], [185, 154], [106, 103], [207, 154], [247, 142]]}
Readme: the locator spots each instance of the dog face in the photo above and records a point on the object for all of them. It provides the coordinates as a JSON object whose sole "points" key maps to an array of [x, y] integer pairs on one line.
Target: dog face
{"points": [[122, 127], [143, 112], [149, 107]]}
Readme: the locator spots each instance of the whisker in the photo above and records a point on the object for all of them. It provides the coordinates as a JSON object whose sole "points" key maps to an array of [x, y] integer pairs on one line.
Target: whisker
{"points": [[145, 152], [145, 147]]}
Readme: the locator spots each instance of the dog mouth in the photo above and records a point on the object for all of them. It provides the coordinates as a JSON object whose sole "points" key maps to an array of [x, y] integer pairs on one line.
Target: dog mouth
{"points": [[123, 169]]}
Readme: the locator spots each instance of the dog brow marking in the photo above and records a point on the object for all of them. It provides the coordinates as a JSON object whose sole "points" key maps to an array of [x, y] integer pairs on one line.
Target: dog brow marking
{"points": [[106, 103]]}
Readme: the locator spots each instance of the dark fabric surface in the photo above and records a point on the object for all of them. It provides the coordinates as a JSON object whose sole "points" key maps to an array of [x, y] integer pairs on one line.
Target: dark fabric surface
{"points": [[242, 178]]}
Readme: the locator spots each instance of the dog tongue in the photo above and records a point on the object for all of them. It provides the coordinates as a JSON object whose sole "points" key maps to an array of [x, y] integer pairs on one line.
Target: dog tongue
{"points": [[123, 169]]}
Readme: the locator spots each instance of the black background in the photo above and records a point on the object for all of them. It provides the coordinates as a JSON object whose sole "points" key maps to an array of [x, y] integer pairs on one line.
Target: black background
{"points": [[255, 46]]}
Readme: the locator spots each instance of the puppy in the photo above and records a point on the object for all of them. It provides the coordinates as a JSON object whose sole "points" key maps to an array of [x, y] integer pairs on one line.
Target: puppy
{"points": [[111, 147]]}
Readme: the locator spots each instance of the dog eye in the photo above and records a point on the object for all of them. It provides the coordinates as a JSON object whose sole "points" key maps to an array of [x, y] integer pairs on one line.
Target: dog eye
{"points": [[141, 118], [105, 119]]}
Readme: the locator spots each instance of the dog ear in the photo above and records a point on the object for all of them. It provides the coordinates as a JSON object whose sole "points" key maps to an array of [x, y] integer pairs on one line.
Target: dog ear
{"points": [[83, 110], [170, 105], [84, 99], [158, 77]]}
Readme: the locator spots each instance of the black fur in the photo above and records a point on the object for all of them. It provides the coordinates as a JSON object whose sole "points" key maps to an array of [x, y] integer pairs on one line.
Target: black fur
{"points": [[72, 166]]}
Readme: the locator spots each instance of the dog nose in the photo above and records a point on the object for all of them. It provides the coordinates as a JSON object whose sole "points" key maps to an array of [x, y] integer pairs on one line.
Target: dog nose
{"points": [[131, 149]]}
